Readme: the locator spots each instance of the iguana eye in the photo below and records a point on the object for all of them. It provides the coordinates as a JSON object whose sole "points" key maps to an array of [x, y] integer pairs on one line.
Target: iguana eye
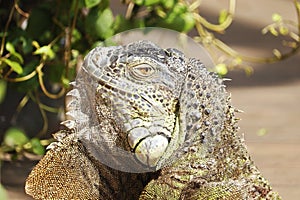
{"points": [[142, 70]]}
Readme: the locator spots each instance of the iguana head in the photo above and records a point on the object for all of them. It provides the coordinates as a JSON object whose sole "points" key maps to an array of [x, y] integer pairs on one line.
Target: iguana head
{"points": [[147, 101], [140, 84]]}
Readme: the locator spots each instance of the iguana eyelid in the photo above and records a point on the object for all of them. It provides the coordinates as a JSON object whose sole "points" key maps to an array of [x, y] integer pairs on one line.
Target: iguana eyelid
{"points": [[142, 70]]}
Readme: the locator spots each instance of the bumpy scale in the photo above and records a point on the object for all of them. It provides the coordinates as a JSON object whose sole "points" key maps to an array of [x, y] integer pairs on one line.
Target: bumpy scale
{"points": [[147, 123]]}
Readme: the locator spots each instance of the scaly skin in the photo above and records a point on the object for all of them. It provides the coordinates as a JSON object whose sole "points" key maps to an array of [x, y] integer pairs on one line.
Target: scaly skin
{"points": [[147, 123]]}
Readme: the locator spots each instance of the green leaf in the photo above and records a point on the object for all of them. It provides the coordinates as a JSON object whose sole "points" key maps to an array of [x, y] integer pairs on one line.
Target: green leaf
{"points": [[100, 23], [179, 19], [19, 57], [180, 8], [37, 147], [221, 69], [91, 3], [35, 44], [42, 50], [65, 82], [3, 86], [105, 22], [76, 35], [122, 24], [273, 31], [168, 3], [189, 21], [45, 50], [14, 65], [276, 17], [223, 16], [10, 48], [283, 30], [15, 137], [146, 2]]}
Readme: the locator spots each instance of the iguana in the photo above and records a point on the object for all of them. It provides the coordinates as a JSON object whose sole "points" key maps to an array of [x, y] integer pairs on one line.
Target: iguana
{"points": [[147, 123]]}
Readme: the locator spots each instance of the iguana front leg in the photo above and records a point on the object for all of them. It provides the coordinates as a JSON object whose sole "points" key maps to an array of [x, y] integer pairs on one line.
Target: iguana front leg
{"points": [[63, 170], [206, 180], [172, 187], [196, 190]]}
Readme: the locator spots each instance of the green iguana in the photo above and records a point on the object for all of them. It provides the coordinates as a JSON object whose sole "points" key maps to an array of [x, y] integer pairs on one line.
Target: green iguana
{"points": [[147, 123]]}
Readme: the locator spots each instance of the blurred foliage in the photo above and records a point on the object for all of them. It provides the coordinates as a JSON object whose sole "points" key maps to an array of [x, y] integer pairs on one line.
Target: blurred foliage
{"points": [[3, 195], [43, 43], [16, 140]]}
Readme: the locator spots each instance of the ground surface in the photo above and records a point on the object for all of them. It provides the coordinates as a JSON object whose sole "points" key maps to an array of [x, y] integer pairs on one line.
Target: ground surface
{"points": [[269, 99]]}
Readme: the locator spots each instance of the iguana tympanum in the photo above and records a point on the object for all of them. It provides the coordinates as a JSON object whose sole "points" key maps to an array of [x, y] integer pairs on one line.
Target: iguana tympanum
{"points": [[147, 123]]}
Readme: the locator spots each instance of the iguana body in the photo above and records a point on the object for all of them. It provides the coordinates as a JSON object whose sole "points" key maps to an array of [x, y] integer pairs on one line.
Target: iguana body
{"points": [[140, 108]]}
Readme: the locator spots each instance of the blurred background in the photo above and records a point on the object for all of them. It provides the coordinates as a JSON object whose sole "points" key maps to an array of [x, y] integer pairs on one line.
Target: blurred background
{"points": [[254, 43]]}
